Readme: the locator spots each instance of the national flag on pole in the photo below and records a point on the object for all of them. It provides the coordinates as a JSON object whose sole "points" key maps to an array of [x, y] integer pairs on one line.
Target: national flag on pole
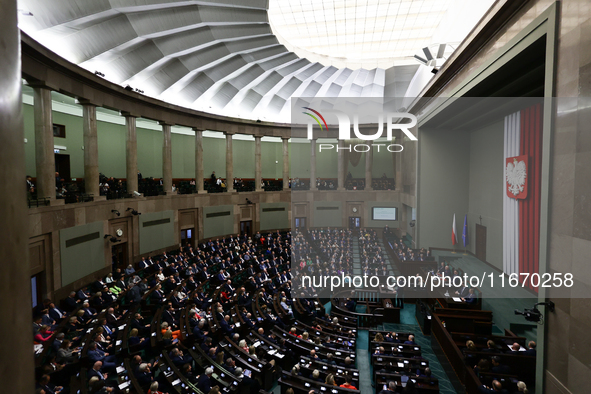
{"points": [[465, 232], [454, 236]]}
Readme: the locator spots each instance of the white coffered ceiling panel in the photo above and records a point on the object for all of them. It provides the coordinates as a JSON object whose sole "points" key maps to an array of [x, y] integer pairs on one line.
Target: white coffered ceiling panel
{"points": [[248, 58]]}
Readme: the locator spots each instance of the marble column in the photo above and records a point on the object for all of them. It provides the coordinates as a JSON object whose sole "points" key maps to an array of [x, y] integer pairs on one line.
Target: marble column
{"points": [[199, 161], [285, 164], [166, 158], [131, 154], [44, 155], [16, 335], [229, 163], [368, 168], [313, 164], [91, 170], [341, 165], [257, 164]]}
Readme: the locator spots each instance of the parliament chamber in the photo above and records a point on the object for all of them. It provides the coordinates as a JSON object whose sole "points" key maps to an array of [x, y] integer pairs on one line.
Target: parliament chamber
{"points": [[195, 199]]}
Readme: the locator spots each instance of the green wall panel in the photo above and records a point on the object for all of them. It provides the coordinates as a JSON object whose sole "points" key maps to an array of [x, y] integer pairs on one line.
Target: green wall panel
{"points": [[149, 153], [217, 224], [271, 216], [111, 149], [82, 251], [243, 159], [487, 185], [183, 155], [327, 214], [156, 231]]}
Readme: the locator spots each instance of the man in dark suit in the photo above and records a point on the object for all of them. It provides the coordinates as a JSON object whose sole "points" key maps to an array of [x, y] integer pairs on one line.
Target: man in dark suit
{"points": [[391, 389], [411, 340], [134, 295], [187, 371], [138, 323], [497, 387], [204, 381], [178, 358], [226, 327], [48, 387], [56, 313], [531, 349], [95, 355], [144, 375], [158, 295], [230, 365], [248, 381], [70, 303], [499, 368], [96, 371], [198, 331], [490, 346]]}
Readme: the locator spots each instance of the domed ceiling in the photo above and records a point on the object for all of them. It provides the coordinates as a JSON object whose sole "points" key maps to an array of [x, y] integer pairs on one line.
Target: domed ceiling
{"points": [[247, 58]]}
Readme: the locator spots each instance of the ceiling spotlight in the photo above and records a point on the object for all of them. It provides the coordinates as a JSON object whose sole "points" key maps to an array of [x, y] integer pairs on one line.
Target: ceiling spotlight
{"points": [[139, 90], [435, 70], [133, 211], [128, 88], [116, 212], [100, 74], [25, 13]]}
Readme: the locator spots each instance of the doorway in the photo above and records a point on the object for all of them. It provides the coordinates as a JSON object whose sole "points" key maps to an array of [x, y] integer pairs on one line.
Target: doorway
{"points": [[480, 242], [119, 255], [188, 237], [62, 165], [36, 289], [246, 228], [300, 223], [354, 222]]}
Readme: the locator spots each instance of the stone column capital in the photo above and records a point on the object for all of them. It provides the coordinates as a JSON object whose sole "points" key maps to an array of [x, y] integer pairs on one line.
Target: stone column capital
{"points": [[86, 102], [127, 114]]}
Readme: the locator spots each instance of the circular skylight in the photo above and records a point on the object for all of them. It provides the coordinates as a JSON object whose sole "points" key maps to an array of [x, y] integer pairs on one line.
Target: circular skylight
{"points": [[369, 33]]}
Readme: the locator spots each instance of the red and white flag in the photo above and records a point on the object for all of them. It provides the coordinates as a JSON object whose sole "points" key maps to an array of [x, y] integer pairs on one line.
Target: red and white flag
{"points": [[454, 235]]}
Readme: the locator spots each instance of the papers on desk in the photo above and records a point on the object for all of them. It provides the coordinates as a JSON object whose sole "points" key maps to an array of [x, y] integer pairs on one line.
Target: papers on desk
{"points": [[38, 348], [272, 352], [120, 369], [456, 299], [400, 365], [176, 382], [257, 343], [124, 385], [153, 334], [117, 343], [237, 325], [122, 327], [279, 355]]}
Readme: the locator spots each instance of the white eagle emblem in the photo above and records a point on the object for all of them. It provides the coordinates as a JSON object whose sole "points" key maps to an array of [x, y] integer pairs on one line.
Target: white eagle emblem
{"points": [[516, 174]]}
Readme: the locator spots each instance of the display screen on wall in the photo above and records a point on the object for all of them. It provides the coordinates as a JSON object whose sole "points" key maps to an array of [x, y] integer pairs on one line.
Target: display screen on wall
{"points": [[384, 213]]}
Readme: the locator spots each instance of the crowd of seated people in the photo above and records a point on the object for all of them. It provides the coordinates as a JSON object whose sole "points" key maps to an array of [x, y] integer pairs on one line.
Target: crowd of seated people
{"points": [[493, 367], [334, 252], [112, 188], [326, 184], [299, 184], [404, 252], [371, 254], [383, 183], [145, 309]]}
